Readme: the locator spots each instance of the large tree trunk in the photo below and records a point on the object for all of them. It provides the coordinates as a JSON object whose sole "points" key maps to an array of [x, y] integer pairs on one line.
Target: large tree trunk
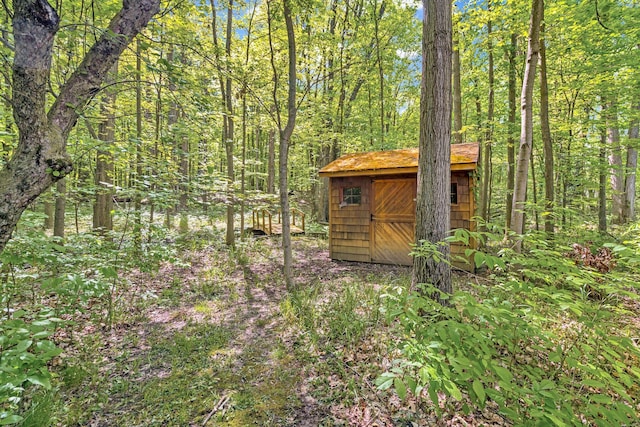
{"points": [[433, 203], [526, 121], [41, 158], [547, 146]]}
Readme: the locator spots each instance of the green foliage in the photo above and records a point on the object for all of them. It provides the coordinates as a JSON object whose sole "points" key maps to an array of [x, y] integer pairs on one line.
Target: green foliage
{"points": [[542, 343], [25, 350]]}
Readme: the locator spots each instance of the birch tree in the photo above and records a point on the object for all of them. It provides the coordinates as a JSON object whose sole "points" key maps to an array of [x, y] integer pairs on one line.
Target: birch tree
{"points": [[526, 120]]}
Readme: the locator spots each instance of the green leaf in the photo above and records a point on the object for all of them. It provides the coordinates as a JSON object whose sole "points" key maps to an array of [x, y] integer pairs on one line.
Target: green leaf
{"points": [[11, 419], [401, 389], [453, 390], [600, 398], [503, 373], [40, 380], [479, 390], [22, 346]]}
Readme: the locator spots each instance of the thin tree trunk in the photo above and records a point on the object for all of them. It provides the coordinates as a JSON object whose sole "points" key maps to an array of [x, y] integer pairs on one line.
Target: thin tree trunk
{"points": [[457, 93], [271, 163], [534, 187], [376, 21], [137, 227], [602, 186], [230, 236], [285, 134], [526, 122], [433, 203], [511, 121], [547, 145], [103, 204], [49, 207], [61, 201], [615, 162], [488, 134], [630, 172]]}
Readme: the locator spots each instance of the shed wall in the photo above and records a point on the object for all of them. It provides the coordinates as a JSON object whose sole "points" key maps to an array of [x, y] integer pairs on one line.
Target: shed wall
{"points": [[349, 226]]}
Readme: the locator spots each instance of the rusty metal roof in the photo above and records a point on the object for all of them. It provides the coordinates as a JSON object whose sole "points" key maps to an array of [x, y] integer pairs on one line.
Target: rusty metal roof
{"points": [[463, 157]]}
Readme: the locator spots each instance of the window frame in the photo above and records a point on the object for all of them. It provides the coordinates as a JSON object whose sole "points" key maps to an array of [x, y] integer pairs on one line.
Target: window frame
{"points": [[346, 196], [454, 194]]}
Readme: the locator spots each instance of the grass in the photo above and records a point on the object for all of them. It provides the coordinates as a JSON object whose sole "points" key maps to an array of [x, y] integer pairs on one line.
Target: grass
{"points": [[221, 329]]}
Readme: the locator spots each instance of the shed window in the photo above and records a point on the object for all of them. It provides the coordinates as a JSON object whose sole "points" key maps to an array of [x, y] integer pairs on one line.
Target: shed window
{"points": [[454, 193], [351, 196]]}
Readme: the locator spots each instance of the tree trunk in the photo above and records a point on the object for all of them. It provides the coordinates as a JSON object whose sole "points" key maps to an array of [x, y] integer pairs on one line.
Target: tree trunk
{"points": [[138, 182], [547, 145], [40, 157], [48, 213], [526, 122], [433, 203], [103, 203], [285, 131], [271, 163], [230, 236], [602, 186], [615, 162], [61, 201], [629, 212], [488, 134], [457, 93], [511, 152]]}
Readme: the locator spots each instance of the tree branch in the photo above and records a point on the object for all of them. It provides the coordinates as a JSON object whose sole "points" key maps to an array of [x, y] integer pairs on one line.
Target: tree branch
{"points": [[85, 82]]}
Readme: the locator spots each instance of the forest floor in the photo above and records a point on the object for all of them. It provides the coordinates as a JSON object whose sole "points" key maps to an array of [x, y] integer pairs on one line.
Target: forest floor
{"points": [[215, 340]]}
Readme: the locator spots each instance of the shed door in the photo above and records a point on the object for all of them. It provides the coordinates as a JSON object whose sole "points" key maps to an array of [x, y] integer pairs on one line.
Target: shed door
{"points": [[393, 220]]}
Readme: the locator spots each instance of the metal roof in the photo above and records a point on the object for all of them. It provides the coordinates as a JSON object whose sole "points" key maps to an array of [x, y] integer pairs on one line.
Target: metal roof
{"points": [[463, 157]]}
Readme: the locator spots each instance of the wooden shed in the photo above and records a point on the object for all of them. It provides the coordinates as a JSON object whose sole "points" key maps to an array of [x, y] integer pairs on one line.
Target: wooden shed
{"points": [[372, 203]]}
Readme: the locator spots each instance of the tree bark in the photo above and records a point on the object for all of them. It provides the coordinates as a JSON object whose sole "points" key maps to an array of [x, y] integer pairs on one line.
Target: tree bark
{"points": [[271, 163], [547, 145], [511, 152], [602, 186], [61, 202], [526, 122], [40, 157], [103, 203], [488, 134], [228, 143], [433, 203], [616, 175], [285, 137], [457, 93], [629, 209]]}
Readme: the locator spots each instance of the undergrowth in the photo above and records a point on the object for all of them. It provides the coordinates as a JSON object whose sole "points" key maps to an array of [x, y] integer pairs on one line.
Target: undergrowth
{"points": [[543, 340]]}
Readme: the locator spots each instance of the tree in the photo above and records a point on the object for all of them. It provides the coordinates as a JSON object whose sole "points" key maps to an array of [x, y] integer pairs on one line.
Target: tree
{"points": [[629, 208], [285, 130], [526, 120], [547, 144], [40, 158], [434, 163]]}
